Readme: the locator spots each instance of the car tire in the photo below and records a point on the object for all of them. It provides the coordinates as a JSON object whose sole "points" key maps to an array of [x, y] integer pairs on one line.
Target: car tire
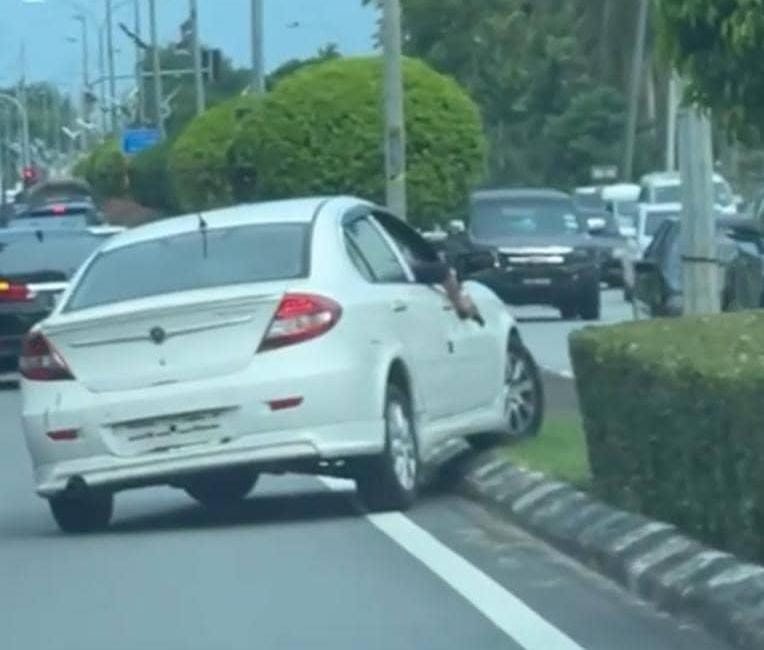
{"points": [[389, 481], [590, 307], [82, 513], [220, 489], [523, 400]]}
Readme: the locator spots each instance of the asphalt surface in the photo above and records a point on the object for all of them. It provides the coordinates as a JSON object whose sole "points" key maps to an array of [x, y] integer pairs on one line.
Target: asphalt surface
{"points": [[546, 334], [298, 566]]}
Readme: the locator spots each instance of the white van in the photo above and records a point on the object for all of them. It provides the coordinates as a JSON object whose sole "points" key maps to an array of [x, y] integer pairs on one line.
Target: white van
{"points": [[666, 187]]}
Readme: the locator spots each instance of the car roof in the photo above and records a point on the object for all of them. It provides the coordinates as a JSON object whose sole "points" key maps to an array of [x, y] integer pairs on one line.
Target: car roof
{"points": [[519, 193], [302, 210]]}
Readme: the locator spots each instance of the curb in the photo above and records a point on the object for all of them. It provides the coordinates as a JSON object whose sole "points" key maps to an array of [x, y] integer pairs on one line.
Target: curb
{"points": [[651, 559]]}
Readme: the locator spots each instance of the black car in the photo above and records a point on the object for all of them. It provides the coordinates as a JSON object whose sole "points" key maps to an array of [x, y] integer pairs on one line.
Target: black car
{"points": [[35, 266], [658, 289], [57, 215], [530, 247], [609, 242]]}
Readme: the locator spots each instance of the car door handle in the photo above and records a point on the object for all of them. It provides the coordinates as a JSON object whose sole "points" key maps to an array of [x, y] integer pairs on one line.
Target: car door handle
{"points": [[399, 306]]}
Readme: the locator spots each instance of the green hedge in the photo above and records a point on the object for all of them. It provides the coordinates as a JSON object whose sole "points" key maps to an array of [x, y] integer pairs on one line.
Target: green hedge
{"points": [[320, 132], [106, 170], [198, 161], [150, 180], [673, 417]]}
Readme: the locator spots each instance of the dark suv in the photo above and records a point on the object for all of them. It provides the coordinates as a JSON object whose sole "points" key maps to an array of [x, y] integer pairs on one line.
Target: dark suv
{"points": [[541, 250]]}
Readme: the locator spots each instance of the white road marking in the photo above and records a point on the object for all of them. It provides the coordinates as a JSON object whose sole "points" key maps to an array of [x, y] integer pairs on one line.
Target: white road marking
{"points": [[505, 610]]}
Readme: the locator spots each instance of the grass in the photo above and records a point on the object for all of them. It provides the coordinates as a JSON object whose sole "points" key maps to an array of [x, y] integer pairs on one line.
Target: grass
{"points": [[559, 451]]}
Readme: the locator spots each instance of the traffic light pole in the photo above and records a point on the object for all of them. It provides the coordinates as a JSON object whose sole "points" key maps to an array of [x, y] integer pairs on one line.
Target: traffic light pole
{"points": [[258, 49]]}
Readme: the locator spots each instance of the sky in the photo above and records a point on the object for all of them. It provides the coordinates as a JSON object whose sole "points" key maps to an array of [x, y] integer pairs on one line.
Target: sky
{"points": [[293, 29]]}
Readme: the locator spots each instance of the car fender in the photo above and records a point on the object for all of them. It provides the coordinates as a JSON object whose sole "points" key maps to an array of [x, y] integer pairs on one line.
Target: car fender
{"points": [[391, 355]]}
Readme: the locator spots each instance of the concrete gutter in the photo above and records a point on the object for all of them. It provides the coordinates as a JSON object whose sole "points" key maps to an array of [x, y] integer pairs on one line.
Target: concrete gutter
{"points": [[651, 559]]}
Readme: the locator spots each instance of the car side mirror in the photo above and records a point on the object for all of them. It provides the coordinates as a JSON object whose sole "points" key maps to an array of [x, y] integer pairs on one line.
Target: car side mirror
{"points": [[596, 225], [478, 261]]}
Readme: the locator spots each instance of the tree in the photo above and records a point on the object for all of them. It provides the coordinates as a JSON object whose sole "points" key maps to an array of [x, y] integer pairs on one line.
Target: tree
{"points": [[320, 132], [525, 62], [198, 162], [716, 46]]}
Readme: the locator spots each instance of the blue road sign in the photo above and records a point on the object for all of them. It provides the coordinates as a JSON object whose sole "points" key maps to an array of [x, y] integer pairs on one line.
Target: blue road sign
{"points": [[136, 140]]}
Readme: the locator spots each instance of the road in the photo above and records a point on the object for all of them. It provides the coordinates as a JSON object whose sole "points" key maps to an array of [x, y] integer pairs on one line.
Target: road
{"points": [[298, 566], [547, 335]]}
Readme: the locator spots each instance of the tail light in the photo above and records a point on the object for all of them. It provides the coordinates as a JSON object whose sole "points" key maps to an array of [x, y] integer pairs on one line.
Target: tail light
{"points": [[10, 292], [40, 361], [300, 317]]}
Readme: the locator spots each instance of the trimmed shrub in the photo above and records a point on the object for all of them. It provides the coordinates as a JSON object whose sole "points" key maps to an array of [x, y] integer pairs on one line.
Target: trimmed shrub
{"points": [[108, 170], [321, 132], [672, 410], [150, 181], [198, 161]]}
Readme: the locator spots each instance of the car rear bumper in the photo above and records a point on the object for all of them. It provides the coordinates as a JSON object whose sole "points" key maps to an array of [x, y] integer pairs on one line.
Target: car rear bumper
{"points": [[309, 449], [289, 406], [543, 285]]}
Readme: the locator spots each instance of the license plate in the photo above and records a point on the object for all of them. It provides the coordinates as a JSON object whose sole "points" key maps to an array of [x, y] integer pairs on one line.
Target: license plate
{"points": [[537, 282], [170, 432]]}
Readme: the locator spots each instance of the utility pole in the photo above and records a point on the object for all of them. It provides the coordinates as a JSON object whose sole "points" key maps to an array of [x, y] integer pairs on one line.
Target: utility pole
{"points": [[395, 128], [674, 92], [634, 94], [157, 68], [196, 46], [258, 49], [699, 255], [112, 74], [141, 112]]}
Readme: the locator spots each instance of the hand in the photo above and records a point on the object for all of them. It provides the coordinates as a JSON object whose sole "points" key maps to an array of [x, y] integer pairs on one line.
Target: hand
{"points": [[467, 309]]}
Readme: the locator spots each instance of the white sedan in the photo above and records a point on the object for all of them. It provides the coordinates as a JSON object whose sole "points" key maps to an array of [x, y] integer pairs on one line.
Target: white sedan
{"points": [[293, 336]]}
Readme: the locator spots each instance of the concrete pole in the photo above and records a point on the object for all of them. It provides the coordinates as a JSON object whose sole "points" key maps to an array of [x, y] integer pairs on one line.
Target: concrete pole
{"points": [[634, 93], [157, 68], [112, 74], [197, 52], [258, 49], [674, 92], [395, 128], [700, 265]]}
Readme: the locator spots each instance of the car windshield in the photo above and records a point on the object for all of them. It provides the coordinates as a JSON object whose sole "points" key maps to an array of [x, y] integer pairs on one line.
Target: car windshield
{"points": [[194, 260], [523, 217], [673, 194], [589, 200]]}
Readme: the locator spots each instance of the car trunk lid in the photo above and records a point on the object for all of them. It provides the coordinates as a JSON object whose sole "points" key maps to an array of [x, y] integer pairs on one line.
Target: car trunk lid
{"points": [[199, 335]]}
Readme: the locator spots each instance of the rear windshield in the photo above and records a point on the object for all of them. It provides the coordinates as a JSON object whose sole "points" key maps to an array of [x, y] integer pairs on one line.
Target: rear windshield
{"points": [[196, 260], [522, 217], [36, 257]]}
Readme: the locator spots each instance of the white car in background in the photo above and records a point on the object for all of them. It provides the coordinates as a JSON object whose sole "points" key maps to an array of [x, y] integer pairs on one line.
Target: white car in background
{"points": [[201, 351], [666, 187], [649, 219], [622, 200]]}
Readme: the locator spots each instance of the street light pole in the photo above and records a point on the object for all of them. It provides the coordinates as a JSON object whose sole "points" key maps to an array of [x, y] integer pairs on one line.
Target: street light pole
{"points": [[141, 112], [395, 128], [258, 49], [198, 77], [157, 68], [112, 74], [25, 152]]}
